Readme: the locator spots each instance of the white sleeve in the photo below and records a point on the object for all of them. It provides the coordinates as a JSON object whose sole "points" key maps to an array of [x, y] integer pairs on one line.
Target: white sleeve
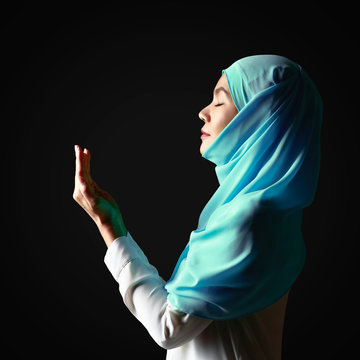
{"points": [[143, 292]]}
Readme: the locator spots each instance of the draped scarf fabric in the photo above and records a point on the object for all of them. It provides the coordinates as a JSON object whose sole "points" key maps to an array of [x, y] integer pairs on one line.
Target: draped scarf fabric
{"points": [[248, 248]]}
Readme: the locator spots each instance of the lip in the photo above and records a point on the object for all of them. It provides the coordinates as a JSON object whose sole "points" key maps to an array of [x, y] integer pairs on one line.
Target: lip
{"points": [[204, 134]]}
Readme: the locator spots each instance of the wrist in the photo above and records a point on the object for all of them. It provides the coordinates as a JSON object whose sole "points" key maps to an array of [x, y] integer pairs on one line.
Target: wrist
{"points": [[111, 230]]}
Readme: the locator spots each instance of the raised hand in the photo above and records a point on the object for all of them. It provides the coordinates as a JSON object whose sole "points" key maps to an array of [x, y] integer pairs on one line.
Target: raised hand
{"points": [[99, 204]]}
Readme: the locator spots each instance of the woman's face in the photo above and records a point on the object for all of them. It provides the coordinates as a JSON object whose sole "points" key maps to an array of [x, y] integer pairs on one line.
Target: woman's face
{"points": [[217, 114]]}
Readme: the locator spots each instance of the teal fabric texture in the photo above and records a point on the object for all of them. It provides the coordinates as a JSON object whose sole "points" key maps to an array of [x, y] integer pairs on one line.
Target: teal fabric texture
{"points": [[248, 248]]}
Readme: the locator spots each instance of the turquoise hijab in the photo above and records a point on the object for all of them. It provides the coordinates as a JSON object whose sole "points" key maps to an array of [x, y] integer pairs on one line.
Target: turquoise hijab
{"points": [[248, 248]]}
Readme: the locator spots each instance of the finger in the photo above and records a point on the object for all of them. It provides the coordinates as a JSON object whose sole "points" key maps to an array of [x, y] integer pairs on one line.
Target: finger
{"points": [[78, 166], [83, 165], [87, 174], [79, 171], [87, 160]]}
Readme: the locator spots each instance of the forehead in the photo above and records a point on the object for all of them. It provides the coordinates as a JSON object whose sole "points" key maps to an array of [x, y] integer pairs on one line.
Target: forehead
{"points": [[222, 82]]}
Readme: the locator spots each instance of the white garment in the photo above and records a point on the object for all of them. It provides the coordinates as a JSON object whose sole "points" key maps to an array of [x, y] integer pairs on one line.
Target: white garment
{"points": [[186, 337]]}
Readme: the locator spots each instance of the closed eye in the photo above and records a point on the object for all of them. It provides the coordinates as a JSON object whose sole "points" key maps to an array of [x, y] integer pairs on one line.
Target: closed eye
{"points": [[219, 104]]}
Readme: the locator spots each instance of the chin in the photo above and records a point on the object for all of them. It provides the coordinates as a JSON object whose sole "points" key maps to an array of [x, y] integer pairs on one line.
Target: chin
{"points": [[202, 148], [205, 144]]}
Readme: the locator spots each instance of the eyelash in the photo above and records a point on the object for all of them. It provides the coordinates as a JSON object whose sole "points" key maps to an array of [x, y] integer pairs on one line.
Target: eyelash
{"points": [[219, 104]]}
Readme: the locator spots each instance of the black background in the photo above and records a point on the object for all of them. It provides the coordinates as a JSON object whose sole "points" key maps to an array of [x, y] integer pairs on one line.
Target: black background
{"points": [[128, 82]]}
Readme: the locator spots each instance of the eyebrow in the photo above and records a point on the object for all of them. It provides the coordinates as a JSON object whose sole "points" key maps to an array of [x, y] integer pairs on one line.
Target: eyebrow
{"points": [[216, 91]]}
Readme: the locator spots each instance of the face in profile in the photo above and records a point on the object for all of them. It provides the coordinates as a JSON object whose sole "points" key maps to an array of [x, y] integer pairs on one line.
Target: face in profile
{"points": [[217, 114]]}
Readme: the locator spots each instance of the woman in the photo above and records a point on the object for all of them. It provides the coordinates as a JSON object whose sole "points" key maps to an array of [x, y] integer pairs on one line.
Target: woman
{"points": [[227, 296]]}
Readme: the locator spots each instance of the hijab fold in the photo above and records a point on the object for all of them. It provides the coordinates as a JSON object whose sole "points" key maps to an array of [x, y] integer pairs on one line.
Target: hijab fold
{"points": [[248, 249]]}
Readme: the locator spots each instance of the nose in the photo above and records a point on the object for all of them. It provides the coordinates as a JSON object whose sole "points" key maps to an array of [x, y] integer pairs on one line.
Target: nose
{"points": [[204, 115]]}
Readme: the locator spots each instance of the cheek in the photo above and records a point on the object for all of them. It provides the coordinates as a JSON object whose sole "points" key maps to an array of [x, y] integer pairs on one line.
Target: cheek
{"points": [[221, 122]]}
